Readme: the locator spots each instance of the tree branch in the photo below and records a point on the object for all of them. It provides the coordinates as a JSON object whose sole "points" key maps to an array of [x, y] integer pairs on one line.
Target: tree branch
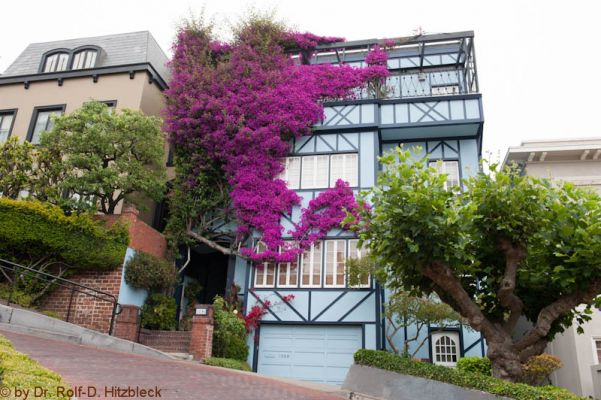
{"points": [[214, 245], [447, 285], [560, 307], [514, 255]]}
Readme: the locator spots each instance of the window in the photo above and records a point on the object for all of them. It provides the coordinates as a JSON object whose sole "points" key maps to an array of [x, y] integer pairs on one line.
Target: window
{"points": [[597, 344], [335, 263], [291, 172], [357, 252], [311, 266], [451, 168], [42, 121], [288, 274], [320, 171], [264, 274], [6, 124], [314, 172], [446, 350], [345, 167], [84, 59], [56, 62]]}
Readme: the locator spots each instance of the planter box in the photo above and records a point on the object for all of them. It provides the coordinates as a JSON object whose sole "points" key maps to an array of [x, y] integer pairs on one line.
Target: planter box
{"points": [[381, 384]]}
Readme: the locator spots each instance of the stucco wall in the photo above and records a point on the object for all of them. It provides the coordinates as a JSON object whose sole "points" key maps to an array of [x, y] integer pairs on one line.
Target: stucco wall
{"points": [[581, 173]]}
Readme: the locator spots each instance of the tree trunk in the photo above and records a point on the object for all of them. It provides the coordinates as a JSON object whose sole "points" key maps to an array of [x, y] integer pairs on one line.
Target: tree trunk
{"points": [[505, 360]]}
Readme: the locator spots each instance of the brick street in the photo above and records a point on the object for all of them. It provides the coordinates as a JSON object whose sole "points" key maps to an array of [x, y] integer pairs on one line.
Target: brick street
{"points": [[83, 366]]}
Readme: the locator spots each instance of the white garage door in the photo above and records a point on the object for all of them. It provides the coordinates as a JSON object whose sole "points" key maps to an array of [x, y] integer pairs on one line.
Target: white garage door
{"points": [[312, 353]]}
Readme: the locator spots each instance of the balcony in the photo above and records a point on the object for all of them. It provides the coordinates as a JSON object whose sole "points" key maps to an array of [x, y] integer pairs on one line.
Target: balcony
{"points": [[433, 85]]}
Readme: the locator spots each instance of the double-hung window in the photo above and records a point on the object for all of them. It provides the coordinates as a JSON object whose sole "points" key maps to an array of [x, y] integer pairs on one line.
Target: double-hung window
{"points": [[335, 263], [451, 169], [6, 123], [265, 273], [42, 121], [315, 172], [311, 266]]}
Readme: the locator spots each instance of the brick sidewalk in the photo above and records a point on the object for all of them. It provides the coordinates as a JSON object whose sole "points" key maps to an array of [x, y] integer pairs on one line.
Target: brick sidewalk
{"points": [[83, 366]]}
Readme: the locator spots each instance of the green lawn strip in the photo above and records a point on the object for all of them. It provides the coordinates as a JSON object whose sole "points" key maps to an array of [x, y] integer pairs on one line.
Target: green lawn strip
{"points": [[518, 391], [227, 363], [20, 371]]}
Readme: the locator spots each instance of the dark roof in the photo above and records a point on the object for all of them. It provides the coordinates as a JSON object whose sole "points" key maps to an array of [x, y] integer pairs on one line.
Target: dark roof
{"points": [[119, 49]]}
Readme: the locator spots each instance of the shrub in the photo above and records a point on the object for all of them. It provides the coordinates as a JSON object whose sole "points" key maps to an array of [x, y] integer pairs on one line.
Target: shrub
{"points": [[145, 271], [19, 370], [227, 363], [480, 365], [19, 296], [499, 387], [538, 368], [229, 334], [31, 229], [158, 312]]}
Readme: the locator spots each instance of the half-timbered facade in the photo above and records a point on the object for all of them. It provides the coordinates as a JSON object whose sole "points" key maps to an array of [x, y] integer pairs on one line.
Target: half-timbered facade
{"points": [[433, 107]]}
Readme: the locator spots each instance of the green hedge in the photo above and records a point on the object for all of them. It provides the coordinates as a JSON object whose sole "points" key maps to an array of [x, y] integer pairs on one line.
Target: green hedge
{"points": [[518, 391], [480, 365], [229, 334], [31, 229], [227, 363], [20, 371], [159, 312], [145, 271]]}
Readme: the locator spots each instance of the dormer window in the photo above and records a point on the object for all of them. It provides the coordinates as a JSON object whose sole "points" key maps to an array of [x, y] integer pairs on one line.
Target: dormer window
{"points": [[56, 62], [84, 59]]}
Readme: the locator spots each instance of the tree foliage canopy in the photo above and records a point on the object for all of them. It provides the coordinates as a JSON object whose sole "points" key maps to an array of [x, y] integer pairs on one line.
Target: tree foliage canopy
{"points": [[508, 245], [101, 157]]}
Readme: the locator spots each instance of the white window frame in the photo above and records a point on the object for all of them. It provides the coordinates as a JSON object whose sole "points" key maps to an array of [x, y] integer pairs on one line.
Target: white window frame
{"points": [[334, 272], [312, 270], [441, 167], [289, 274], [264, 273], [456, 343], [596, 339], [353, 181], [285, 174], [314, 182], [359, 255]]}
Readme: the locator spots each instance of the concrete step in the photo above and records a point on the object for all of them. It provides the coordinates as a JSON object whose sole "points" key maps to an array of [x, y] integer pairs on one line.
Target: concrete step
{"points": [[24, 321], [181, 356]]}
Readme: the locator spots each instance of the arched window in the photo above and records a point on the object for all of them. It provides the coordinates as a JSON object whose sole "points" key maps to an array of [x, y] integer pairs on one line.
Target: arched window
{"points": [[446, 349], [85, 58], [56, 62]]}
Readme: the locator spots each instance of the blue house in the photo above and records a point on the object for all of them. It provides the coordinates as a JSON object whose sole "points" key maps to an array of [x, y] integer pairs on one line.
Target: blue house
{"points": [[433, 105]]}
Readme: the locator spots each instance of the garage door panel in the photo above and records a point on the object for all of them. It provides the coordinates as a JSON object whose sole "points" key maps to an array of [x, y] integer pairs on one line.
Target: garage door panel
{"points": [[313, 353]]}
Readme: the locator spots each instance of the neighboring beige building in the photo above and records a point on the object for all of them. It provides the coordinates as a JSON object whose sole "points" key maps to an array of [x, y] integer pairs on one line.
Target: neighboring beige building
{"points": [[124, 70], [577, 161]]}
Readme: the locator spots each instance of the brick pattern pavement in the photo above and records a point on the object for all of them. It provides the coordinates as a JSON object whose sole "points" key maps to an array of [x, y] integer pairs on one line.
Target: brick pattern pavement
{"points": [[82, 365]]}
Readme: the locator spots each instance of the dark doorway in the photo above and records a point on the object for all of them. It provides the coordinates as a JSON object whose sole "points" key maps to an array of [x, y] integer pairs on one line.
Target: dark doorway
{"points": [[210, 269]]}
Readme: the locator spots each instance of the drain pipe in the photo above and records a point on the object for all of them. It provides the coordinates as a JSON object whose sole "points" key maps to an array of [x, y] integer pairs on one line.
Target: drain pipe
{"points": [[181, 299]]}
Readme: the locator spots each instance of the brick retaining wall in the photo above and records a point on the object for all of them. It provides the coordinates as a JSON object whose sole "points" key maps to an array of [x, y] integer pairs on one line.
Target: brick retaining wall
{"points": [[168, 341]]}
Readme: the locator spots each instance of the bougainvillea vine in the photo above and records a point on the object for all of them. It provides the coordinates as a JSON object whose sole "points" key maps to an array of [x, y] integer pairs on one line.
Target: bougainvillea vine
{"points": [[232, 110]]}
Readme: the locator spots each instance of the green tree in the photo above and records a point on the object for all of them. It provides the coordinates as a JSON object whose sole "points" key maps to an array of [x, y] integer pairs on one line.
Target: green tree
{"points": [[94, 158], [16, 167], [507, 246]]}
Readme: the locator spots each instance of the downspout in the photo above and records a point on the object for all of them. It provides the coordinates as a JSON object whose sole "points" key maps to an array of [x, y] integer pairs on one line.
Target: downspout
{"points": [[181, 299]]}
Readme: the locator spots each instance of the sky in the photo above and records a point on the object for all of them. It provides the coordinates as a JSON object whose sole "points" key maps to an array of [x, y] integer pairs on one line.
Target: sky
{"points": [[539, 62]]}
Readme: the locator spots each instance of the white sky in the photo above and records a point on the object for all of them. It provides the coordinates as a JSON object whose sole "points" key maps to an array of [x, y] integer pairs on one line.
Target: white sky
{"points": [[539, 62]]}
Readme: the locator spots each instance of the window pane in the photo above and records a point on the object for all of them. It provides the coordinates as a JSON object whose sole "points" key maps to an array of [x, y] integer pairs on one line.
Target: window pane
{"points": [[287, 275], [355, 252], [345, 167], [50, 64], [291, 172], [5, 123], [90, 58], [78, 60], [321, 171], [335, 263], [308, 172], [311, 266], [40, 126], [315, 172], [62, 62]]}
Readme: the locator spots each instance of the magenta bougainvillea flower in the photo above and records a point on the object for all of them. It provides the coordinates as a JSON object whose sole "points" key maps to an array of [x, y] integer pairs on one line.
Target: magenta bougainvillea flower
{"points": [[238, 105]]}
